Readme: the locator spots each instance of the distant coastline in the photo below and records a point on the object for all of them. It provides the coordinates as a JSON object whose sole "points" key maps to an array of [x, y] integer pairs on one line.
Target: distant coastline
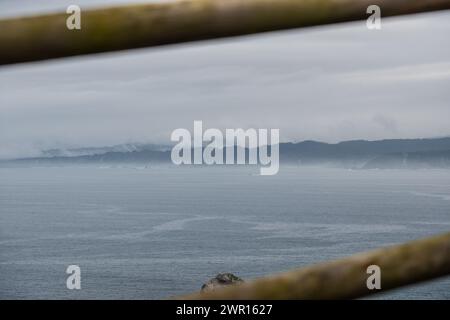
{"points": [[354, 154]]}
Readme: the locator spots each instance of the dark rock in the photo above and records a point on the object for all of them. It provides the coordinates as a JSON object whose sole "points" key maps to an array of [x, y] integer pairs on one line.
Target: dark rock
{"points": [[221, 280]]}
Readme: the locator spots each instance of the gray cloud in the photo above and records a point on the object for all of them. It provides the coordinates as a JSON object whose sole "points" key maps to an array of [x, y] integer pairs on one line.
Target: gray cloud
{"points": [[332, 83], [11, 8]]}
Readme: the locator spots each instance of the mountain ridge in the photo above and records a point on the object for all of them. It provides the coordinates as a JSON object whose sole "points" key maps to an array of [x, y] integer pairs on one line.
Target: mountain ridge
{"points": [[363, 154]]}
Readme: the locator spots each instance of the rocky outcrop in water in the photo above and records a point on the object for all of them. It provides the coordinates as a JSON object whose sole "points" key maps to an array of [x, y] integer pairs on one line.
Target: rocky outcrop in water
{"points": [[221, 280]]}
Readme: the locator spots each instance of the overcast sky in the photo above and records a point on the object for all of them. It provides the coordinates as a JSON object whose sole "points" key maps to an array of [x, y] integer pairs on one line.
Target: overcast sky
{"points": [[330, 84]]}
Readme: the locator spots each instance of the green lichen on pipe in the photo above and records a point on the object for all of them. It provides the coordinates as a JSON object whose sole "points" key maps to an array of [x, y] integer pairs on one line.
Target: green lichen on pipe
{"points": [[400, 265], [135, 26]]}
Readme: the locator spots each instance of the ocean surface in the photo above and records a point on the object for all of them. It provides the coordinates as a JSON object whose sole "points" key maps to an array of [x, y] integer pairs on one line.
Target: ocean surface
{"points": [[148, 233]]}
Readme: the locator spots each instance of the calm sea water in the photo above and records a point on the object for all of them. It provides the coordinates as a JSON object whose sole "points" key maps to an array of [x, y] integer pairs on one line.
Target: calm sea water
{"points": [[153, 233]]}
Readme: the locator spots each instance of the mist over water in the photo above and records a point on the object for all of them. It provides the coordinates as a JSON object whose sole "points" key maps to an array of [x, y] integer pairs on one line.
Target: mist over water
{"points": [[145, 233]]}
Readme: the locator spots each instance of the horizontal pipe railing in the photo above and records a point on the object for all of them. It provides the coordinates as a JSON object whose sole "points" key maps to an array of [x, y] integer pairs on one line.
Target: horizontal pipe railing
{"points": [[400, 265], [146, 25]]}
